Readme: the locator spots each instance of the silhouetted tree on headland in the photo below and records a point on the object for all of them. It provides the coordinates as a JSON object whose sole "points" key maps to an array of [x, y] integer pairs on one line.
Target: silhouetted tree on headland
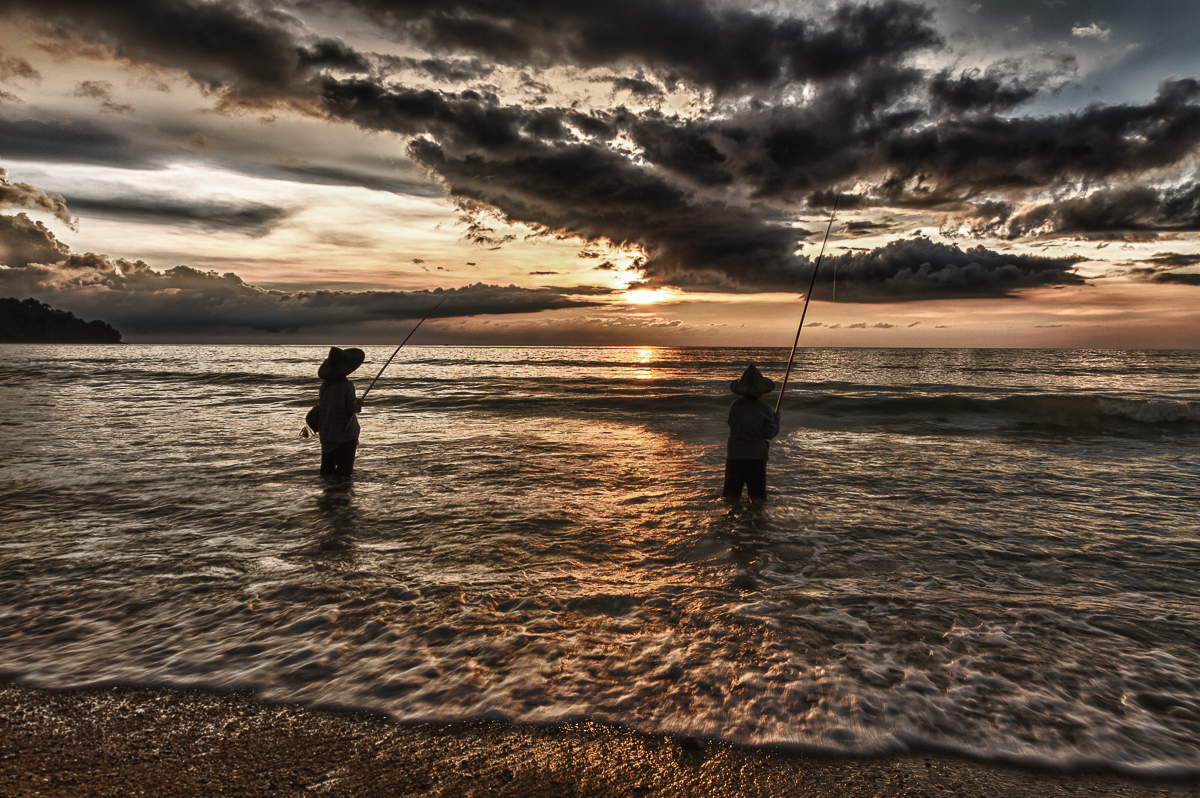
{"points": [[31, 322]]}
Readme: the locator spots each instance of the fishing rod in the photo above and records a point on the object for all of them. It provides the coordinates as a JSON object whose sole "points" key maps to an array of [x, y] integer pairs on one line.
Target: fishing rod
{"points": [[807, 297], [402, 343]]}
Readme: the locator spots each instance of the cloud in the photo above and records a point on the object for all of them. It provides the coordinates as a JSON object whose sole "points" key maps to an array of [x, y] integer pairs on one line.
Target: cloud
{"points": [[710, 200], [24, 241], [257, 51], [1173, 260], [794, 108], [137, 299], [519, 161], [13, 67], [446, 70], [1182, 278], [1093, 31], [251, 218], [102, 90], [1108, 211], [79, 141], [722, 48], [1000, 86], [919, 269], [637, 86], [23, 195]]}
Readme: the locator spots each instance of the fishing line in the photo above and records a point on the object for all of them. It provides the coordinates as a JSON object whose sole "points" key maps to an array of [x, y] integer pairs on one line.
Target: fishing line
{"points": [[807, 297], [307, 432], [402, 343]]}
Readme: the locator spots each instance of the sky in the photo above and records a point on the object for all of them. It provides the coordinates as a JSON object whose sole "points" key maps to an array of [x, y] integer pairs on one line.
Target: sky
{"points": [[968, 173]]}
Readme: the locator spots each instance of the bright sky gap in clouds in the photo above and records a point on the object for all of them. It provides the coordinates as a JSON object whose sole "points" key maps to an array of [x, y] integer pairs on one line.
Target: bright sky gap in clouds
{"points": [[628, 172]]}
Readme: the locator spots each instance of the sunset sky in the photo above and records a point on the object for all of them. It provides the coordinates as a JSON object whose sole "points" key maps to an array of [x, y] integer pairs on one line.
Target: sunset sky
{"points": [[626, 172]]}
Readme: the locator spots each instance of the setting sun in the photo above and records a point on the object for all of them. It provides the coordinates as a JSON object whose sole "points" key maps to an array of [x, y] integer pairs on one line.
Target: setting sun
{"points": [[645, 296]]}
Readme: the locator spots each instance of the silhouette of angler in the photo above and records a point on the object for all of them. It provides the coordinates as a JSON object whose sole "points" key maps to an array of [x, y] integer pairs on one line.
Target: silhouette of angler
{"points": [[752, 424], [338, 409]]}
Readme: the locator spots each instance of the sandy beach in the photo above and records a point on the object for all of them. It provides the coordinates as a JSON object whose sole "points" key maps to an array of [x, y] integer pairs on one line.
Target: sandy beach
{"points": [[130, 742]]}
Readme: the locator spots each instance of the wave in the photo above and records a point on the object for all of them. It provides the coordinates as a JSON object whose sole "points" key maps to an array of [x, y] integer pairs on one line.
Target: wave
{"points": [[1049, 412]]}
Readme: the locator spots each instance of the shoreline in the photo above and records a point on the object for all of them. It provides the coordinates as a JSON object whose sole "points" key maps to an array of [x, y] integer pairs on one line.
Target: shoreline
{"points": [[127, 741]]}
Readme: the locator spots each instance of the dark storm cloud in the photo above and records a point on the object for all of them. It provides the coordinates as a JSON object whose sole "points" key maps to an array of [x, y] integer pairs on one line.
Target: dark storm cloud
{"points": [[1001, 86], [257, 51], [1164, 268], [501, 156], [1188, 278], [78, 141], [23, 195], [349, 175], [1173, 260], [866, 132], [447, 70], [137, 299], [251, 218], [637, 86], [705, 45], [24, 241], [920, 269], [1129, 209], [593, 192], [967, 155], [81, 141], [525, 163]]}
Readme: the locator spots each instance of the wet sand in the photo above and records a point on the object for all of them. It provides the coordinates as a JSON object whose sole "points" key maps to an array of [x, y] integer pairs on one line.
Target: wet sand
{"points": [[164, 743]]}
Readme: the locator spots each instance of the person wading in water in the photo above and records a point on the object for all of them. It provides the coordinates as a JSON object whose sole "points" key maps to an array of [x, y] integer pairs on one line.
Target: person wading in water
{"points": [[337, 412], [752, 424]]}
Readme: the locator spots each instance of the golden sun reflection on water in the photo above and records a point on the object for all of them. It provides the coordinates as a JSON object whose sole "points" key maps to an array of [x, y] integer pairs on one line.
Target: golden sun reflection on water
{"points": [[644, 357]]}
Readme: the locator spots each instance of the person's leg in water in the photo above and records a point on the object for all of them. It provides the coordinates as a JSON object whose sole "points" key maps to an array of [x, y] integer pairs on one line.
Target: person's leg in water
{"points": [[343, 459], [733, 485], [756, 480], [328, 462], [751, 474]]}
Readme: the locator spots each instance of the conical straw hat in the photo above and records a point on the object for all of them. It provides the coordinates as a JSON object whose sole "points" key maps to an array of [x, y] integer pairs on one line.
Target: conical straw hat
{"points": [[340, 362], [751, 383]]}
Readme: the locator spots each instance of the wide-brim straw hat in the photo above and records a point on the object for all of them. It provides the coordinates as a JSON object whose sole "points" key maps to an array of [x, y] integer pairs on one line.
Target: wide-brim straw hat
{"points": [[341, 362], [751, 383]]}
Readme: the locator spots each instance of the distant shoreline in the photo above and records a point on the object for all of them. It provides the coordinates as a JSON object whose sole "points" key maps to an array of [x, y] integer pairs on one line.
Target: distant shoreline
{"points": [[29, 321], [101, 742]]}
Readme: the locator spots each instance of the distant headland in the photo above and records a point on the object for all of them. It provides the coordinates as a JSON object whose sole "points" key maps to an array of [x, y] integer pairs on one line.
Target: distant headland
{"points": [[31, 322]]}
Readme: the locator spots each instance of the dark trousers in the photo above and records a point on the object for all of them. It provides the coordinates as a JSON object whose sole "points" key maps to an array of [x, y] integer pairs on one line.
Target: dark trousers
{"points": [[340, 461], [749, 473]]}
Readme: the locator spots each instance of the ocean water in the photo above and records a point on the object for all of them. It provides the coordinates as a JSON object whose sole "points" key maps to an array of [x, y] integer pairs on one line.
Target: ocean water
{"points": [[989, 552]]}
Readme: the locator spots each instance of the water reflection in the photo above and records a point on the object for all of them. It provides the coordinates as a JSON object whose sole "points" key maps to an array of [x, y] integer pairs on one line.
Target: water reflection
{"points": [[337, 517]]}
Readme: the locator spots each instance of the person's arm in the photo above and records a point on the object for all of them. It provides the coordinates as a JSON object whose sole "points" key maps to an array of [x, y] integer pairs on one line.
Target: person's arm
{"points": [[770, 424], [353, 404]]}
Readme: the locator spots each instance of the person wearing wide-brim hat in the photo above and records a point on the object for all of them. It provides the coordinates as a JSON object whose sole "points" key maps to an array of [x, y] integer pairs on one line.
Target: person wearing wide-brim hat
{"points": [[337, 411], [752, 424]]}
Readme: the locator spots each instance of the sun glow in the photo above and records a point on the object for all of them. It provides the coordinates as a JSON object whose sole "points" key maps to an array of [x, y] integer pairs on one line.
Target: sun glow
{"points": [[645, 296]]}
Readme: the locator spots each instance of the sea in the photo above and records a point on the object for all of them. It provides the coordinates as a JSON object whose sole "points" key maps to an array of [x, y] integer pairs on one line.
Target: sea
{"points": [[985, 552]]}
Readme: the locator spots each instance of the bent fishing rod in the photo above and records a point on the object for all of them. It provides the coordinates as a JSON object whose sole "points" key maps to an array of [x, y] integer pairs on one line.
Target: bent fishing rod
{"points": [[807, 297], [402, 343]]}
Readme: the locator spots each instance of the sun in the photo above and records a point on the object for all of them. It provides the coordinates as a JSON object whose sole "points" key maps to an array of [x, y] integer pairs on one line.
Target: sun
{"points": [[645, 296]]}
